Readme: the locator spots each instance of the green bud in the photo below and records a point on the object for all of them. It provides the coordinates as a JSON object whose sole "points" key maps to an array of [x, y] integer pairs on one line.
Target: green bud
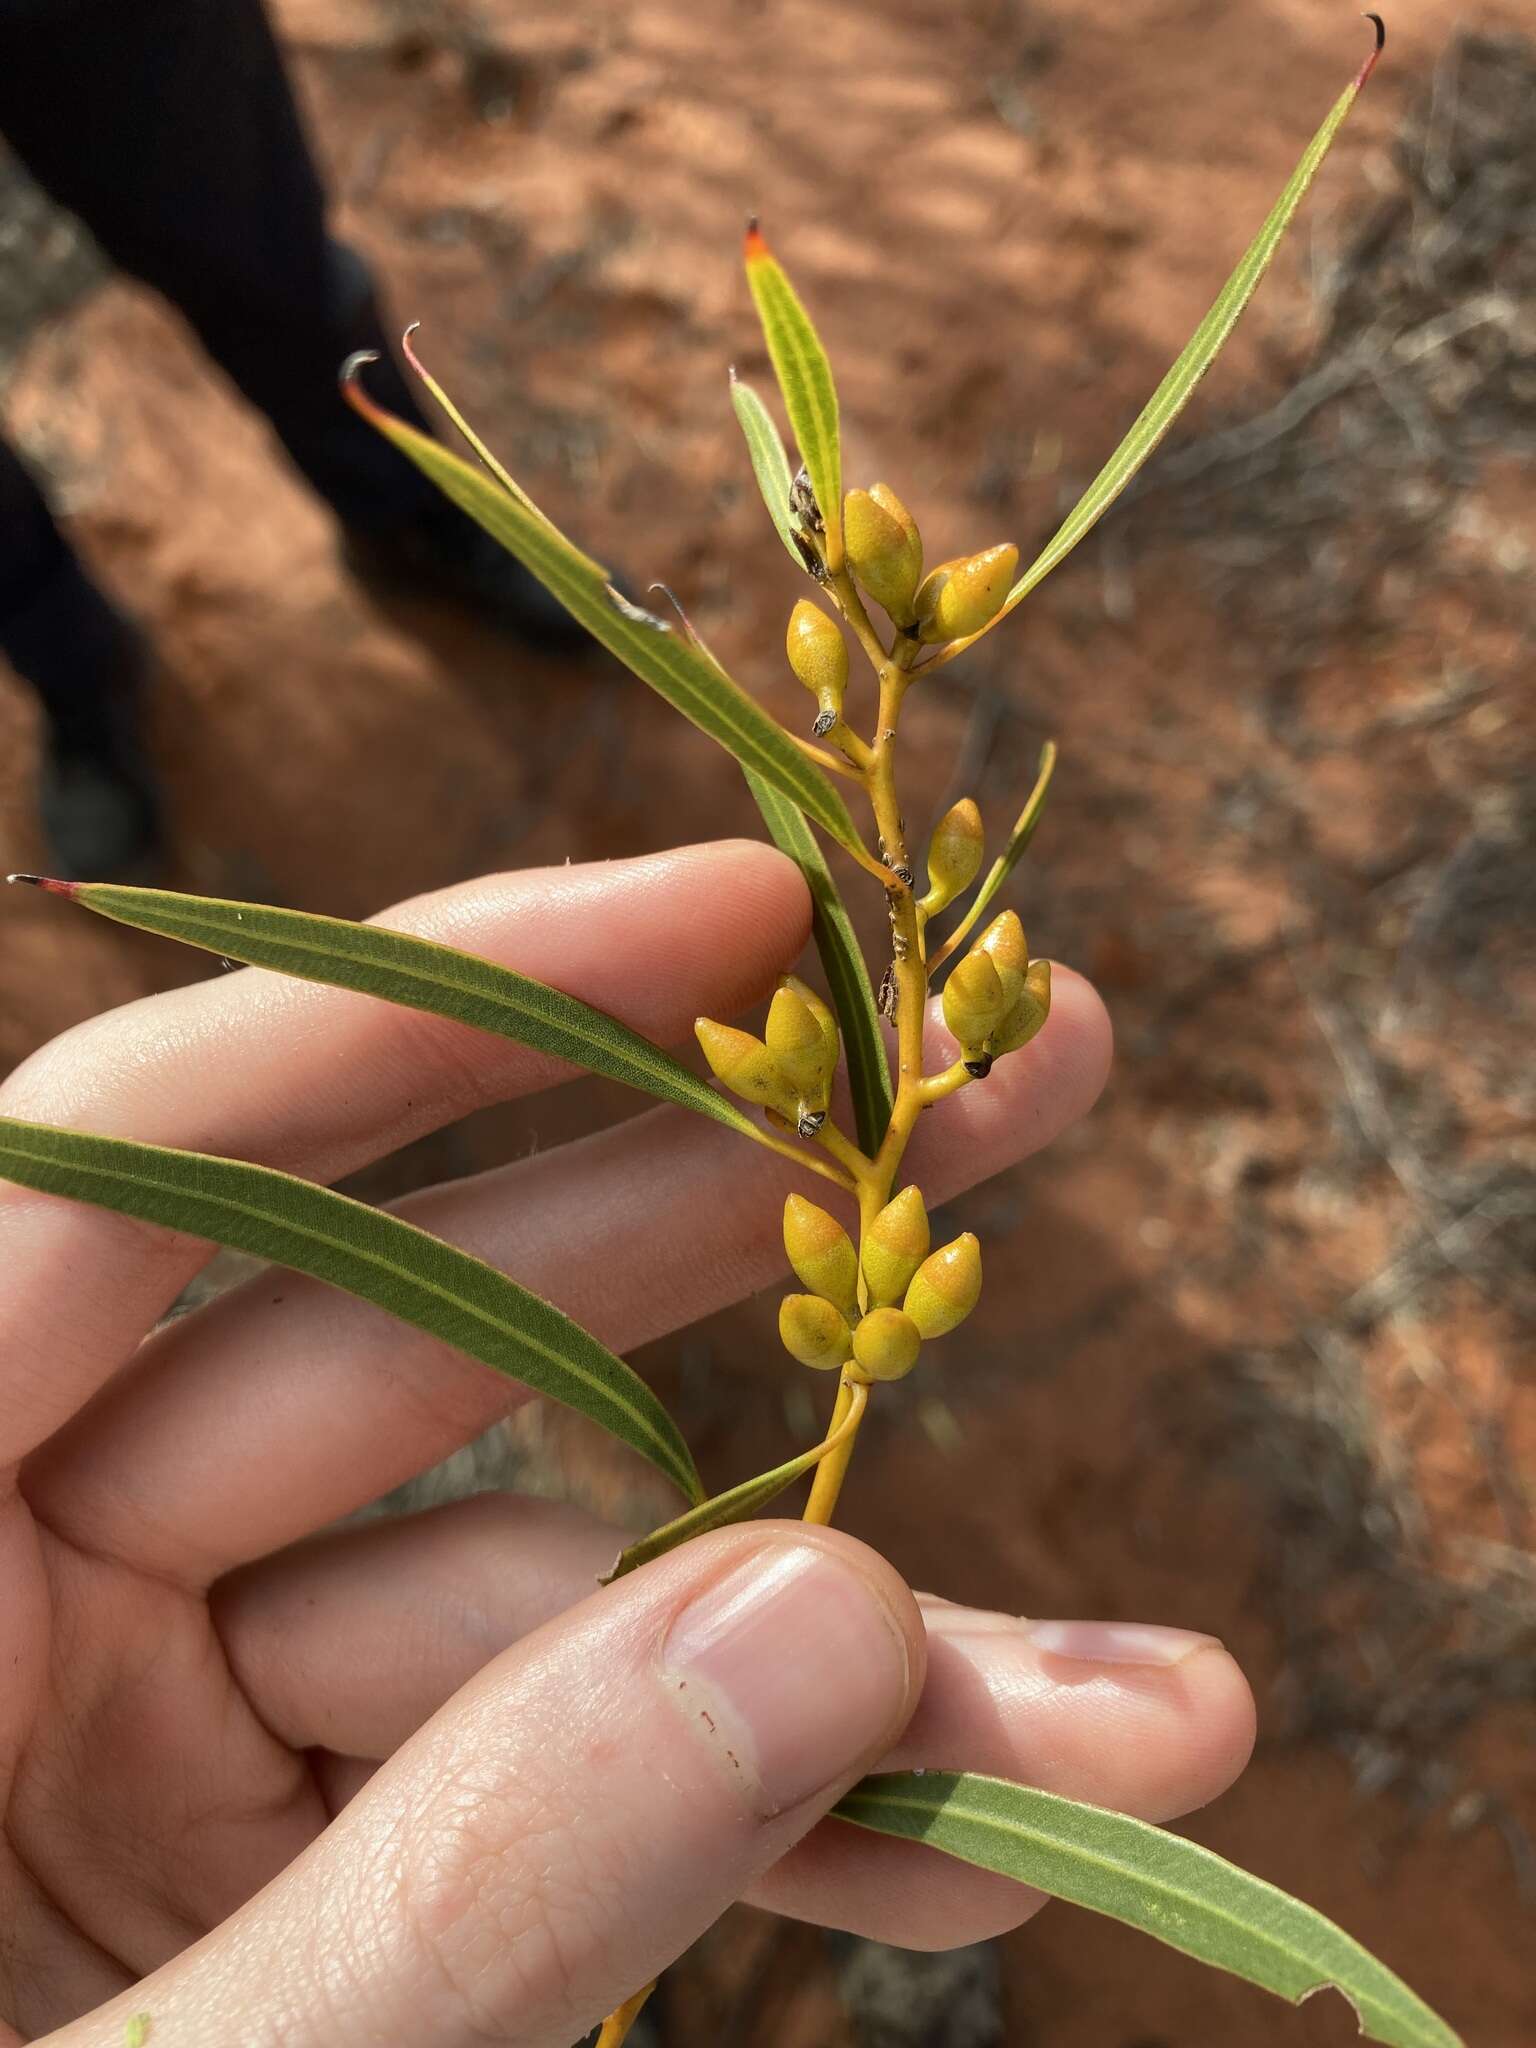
{"points": [[975, 1002], [886, 1344], [1005, 946], [812, 1331], [960, 597], [821, 1253], [884, 549], [954, 855], [945, 1287], [746, 1066], [818, 654], [1028, 1013], [895, 1245]]}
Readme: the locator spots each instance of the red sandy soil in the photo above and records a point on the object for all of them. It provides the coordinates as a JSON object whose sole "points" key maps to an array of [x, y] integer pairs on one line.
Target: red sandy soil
{"points": [[1007, 220]]}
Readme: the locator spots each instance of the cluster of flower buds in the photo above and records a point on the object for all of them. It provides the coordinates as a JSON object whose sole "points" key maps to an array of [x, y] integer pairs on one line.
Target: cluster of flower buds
{"points": [[996, 997], [910, 1292], [789, 1070]]}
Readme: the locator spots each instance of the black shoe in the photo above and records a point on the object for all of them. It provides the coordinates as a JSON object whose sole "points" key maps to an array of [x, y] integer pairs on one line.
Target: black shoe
{"points": [[445, 558]]}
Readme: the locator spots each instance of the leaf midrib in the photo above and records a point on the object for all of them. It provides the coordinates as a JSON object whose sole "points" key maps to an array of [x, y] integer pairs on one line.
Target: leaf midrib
{"points": [[376, 1261]]}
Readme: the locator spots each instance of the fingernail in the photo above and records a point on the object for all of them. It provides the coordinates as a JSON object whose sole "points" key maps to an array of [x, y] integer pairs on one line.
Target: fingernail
{"points": [[1117, 1642], [794, 1666]]}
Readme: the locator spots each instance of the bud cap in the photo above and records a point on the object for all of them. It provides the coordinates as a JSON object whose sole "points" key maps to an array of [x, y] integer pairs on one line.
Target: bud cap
{"points": [[895, 1245], [945, 1287], [821, 1253], [818, 654]]}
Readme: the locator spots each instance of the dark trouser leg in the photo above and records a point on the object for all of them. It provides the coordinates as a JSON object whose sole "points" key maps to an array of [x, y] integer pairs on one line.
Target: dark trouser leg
{"points": [[56, 629], [169, 128]]}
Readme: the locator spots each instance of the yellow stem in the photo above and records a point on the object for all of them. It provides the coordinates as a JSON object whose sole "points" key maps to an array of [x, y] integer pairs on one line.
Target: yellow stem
{"points": [[842, 1434], [937, 1086], [618, 2023], [842, 1148], [833, 763], [799, 1156]]}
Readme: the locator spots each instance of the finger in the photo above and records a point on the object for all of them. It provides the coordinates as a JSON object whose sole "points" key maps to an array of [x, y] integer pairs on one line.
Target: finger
{"points": [[1148, 1721], [351, 1642], [635, 1231], [576, 1816], [320, 1081]]}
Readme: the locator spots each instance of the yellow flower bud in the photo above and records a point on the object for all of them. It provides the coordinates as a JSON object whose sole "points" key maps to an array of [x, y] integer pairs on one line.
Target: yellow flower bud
{"points": [[958, 598], [821, 1253], [975, 1002], [814, 1332], [746, 1066], [945, 1287], [886, 1344], [818, 654], [1028, 1013], [884, 549], [895, 1245], [954, 855], [1005, 946], [802, 1036]]}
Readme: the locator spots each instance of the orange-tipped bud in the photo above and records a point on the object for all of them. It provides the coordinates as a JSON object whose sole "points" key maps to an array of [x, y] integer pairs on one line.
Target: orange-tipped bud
{"points": [[895, 1245], [818, 654], [954, 855], [746, 1066], [1005, 946], [975, 1002], [821, 1253], [886, 1344], [814, 1332], [884, 549], [959, 598], [1028, 1013], [945, 1287]]}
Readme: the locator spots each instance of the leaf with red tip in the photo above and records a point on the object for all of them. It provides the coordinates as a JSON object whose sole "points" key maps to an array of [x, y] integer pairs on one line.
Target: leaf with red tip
{"points": [[1171, 396], [690, 681]]}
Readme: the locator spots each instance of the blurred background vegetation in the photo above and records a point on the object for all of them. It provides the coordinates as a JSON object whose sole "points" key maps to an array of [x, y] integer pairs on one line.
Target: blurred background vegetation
{"points": [[1258, 1358]]}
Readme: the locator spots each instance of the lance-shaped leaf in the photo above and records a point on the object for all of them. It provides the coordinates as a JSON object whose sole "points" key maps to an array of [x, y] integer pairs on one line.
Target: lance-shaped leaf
{"points": [[869, 1073], [770, 464], [1185, 1895], [646, 644], [805, 379], [419, 975], [741, 1502], [1171, 396], [367, 1252], [1018, 839]]}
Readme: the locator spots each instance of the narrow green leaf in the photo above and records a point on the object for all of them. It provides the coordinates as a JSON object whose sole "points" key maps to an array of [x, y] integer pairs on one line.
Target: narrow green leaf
{"points": [[646, 644], [805, 379], [1018, 839], [770, 464], [869, 1073], [1171, 396], [739, 1504], [419, 975], [1185, 1895], [378, 1257]]}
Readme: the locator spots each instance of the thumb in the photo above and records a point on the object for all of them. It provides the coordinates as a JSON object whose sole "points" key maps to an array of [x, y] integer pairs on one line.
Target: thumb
{"points": [[575, 1817]]}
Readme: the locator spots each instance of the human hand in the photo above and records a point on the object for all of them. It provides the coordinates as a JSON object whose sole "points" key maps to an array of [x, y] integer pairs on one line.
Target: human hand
{"points": [[416, 1780]]}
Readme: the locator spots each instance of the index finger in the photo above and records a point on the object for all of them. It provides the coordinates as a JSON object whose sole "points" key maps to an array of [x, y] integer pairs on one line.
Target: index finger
{"points": [[321, 1081]]}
